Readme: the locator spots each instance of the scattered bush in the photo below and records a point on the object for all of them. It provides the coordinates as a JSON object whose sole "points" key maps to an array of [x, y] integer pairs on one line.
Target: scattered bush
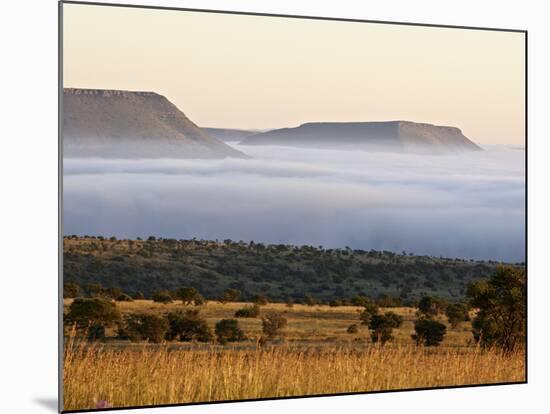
{"points": [[187, 294], [310, 300], [370, 310], [227, 330], [382, 326], [146, 326], [260, 300], [248, 312], [428, 332], [162, 296], [230, 295], [187, 326], [138, 296], [456, 313], [272, 324], [430, 306]]}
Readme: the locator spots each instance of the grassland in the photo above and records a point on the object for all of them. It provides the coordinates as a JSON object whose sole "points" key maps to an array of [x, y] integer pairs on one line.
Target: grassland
{"points": [[317, 356]]}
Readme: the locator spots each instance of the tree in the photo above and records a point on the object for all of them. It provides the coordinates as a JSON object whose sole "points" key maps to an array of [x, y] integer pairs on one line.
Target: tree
{"points": [[501, 303], [91, 315], [428, 332], [260, 300], [382, 326], [96, 290], [456, 313], [187, 294], [227, 330], [248, 312], [230, 295], [310, 300], [371, 309], [162, 296], [199, 300], [187, 326], [146, 326], [138, 296], [430, 306], [272, 324], [71, 290]]}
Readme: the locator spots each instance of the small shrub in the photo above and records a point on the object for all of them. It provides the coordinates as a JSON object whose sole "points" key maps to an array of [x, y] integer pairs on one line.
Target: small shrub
{"points": [[456, 313], [146, 327], [272, 324], [187, 326], [382, 326], [230, 295], [227, 330], [248, 312], [162, 297], [370, 310], [428, 332], [138, 296], [260, 300]]}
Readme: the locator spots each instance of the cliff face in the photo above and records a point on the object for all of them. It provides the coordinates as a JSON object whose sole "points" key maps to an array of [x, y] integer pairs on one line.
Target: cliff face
{"points": [[401, 136], [123, 124]]}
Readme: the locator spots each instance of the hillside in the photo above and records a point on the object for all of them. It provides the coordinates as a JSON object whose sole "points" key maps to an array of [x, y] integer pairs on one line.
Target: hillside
{"points": [[279, 271], [123, 124], [400, 136]]}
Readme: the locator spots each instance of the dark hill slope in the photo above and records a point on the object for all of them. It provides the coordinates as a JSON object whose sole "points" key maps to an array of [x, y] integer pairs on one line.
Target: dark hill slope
{"points": [[278, 271]]}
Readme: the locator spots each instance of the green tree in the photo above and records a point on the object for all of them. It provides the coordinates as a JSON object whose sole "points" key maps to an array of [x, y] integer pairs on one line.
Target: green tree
{"points": [[456, 313], [310, 300], [92, 315], [260, 300], [187, 326], [370, 310], [382, 326], [71, 290], [230, 295], [501, 303], [428, 332], [431, 306], [187, 294], [227, 330], [146, 327]]}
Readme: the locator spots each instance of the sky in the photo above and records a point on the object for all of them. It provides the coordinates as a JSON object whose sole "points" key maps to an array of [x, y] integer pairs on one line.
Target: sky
{"points": [[238, 71]]}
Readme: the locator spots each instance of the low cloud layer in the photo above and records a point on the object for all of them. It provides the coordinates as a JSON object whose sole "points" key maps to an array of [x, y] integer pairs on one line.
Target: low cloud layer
{"points": [[469, 205]]}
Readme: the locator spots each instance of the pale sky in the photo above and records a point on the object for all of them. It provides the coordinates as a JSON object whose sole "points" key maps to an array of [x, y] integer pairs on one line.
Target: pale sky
{"points": [[238, 71]]}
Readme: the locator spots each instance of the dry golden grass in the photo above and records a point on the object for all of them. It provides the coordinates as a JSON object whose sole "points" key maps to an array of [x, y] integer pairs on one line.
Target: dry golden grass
{"points": [[152, 375]]}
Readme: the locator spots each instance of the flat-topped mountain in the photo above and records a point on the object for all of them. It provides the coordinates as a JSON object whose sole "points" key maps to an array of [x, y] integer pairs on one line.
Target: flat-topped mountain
{"points": [[401, 136], [123, 124]]}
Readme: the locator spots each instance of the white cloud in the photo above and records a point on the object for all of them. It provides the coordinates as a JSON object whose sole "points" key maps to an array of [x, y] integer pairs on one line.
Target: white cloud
{"points": [[469, 205]]}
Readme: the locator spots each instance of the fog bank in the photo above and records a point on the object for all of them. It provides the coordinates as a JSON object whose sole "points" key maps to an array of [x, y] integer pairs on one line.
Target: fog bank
{"points": [[469, 205]]}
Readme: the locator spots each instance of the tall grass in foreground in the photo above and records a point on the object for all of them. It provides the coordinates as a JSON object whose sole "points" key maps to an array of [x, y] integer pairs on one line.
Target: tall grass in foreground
{"points": [[152, 375]]}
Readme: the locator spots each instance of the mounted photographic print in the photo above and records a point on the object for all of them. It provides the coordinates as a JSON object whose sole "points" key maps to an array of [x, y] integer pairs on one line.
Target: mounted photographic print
{"points": [[260, 206]]}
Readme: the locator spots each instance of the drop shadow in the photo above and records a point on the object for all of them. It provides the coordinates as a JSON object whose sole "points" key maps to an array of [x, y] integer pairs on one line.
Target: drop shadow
{"points": [[49, 403]]}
